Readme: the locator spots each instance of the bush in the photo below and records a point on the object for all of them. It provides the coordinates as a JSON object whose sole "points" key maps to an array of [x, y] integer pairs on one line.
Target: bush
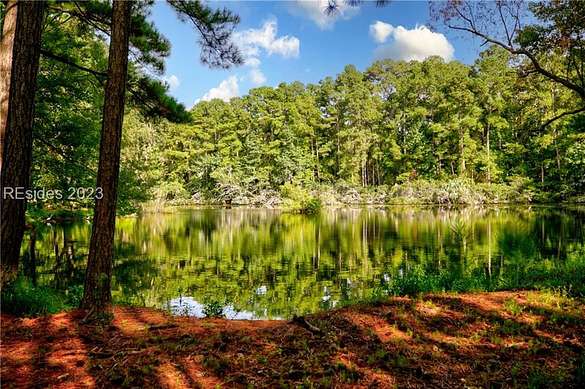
{"points": [[298, 199], [22, 298], [213, 309]]}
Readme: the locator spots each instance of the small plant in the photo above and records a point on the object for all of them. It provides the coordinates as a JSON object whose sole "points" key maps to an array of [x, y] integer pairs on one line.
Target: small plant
{"points": [[217, 364], [537, 379], [262, 360], [213, 309], [400, 361], [311, 206], [513, 307], [347, 374], [378, 356]]}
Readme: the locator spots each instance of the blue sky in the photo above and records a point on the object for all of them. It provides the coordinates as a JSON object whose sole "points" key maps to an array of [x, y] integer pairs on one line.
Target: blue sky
{"points": [[285, 41]]}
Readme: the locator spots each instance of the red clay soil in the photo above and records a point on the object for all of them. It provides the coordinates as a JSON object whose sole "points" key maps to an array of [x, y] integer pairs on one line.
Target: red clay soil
{"points": [[504, 339]]}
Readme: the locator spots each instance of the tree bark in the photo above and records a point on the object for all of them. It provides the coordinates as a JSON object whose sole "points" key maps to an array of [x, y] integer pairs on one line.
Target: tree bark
{"points": [[97, 295], [19, 61], [6, 45], [489, 156]]}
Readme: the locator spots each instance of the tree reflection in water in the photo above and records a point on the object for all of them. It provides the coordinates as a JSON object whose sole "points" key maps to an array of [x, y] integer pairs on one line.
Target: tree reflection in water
{"points": [[268, 264]]}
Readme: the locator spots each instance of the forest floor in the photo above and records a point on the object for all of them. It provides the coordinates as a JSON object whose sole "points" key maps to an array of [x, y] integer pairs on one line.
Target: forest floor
{"points": [[500, 339]]}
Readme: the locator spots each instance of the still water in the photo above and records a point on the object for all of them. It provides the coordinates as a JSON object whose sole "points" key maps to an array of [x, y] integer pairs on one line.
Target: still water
{"points": [[259, 263]]}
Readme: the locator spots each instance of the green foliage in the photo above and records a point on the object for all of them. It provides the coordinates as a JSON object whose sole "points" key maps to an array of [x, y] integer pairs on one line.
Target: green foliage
{"points": [[276, 264], [538, 379], [300, 200], [398, 132], [459, 191], [213, 309], [22, 298], [540, 275], [70, 96], [417, 132], [513, 307]]}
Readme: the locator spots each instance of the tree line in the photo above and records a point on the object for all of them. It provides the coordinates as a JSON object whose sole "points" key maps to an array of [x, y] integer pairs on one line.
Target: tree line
{"points": [[394, 122]]}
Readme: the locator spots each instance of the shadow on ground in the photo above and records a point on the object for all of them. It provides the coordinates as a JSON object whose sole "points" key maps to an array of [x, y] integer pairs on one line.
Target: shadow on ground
{"points": [[502, 339]]}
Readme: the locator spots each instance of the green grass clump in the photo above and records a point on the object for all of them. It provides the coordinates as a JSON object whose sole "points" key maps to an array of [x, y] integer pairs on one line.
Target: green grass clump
{"points": [[566, 276], [22, 298]]}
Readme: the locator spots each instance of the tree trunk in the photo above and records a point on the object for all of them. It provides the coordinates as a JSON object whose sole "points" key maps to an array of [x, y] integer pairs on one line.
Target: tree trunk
{"points": [[97, 295], [462, 156], [19, 62], [30, 262], [489, 166], [6, 45]]}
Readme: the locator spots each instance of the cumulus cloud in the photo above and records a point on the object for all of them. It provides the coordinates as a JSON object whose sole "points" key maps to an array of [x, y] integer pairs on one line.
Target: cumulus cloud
{"points": [[252, 41], [264, 40], [416, 44], [315, 10], [226, 89], [252, 61], [172, 81], [380, 31], [257, 77]]}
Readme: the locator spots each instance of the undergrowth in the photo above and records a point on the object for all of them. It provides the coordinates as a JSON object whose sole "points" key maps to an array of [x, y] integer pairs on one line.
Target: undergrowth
{"points": [[22, 298]]}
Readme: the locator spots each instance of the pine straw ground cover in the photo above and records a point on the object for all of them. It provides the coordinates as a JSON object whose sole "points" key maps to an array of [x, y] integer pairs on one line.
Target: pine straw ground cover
{"points": [[502, 339]]}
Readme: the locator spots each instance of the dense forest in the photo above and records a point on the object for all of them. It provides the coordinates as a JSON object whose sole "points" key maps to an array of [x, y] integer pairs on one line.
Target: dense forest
{"points": [[431, 131], [394, 123]]}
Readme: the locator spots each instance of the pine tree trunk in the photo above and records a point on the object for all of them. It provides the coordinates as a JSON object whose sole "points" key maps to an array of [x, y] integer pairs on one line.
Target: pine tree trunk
{"points": [[19, 63], [489, 156], [97, 295], [6, 45]]}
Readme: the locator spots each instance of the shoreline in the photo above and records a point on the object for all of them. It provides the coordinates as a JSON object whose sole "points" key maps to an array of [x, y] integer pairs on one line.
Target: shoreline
{"points": [[48, 216]]}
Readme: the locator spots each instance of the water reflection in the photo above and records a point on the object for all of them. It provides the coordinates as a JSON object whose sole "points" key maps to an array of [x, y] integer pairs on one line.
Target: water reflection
{"points": [[188, 306], [266, 264]]}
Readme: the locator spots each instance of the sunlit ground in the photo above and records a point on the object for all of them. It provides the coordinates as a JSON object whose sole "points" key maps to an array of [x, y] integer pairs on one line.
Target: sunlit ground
{"points": [[451, 340]]}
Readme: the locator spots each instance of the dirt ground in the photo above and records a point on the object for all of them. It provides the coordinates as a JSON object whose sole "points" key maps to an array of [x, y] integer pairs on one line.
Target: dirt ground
{"points": [[502, 339]]}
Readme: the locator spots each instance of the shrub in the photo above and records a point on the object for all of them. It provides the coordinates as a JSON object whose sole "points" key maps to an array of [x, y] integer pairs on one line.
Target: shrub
{"points": [[22, 298], [298, 199], [213, 309]]}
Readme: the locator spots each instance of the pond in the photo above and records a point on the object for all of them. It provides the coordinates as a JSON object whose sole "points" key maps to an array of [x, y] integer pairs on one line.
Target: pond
{"points": [[258, 263]]}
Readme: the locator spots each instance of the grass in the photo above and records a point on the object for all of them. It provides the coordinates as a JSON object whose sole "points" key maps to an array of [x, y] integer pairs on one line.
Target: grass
{"points": [[22, 298], [567, 277]]}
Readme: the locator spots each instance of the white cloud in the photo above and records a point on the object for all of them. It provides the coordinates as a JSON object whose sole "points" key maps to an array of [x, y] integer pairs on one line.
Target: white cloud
{"points": [[380, 31], [252, 61], [257, 77], [226, 89], [253, 40], [315, 10], [416, 44], [264, 40], [172, 81]]}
